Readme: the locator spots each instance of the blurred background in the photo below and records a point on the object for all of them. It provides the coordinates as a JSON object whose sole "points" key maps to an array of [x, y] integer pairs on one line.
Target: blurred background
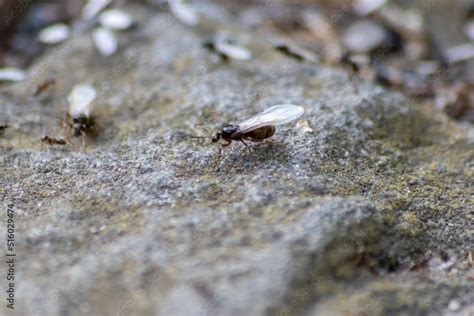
{"points": [[423, 48]]}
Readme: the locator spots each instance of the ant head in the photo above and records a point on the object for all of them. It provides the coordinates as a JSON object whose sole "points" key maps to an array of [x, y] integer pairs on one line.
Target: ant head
{"points": [[216, 137], [226, 132], [81, 124]]}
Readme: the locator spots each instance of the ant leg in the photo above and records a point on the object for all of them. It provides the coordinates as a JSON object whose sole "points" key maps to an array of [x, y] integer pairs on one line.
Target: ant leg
{"points": [[63, 121], [217, 159], [219, 155], [83, 139], [67, 138], [69, 132], [250, 151]]}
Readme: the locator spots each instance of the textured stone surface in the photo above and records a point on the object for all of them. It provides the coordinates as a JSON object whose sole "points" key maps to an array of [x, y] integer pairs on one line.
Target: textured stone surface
{"points": [[371, 212]]}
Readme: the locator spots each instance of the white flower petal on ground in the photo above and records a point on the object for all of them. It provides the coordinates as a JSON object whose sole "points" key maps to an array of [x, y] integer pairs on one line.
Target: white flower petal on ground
{"points": [[93, 7], [363, 36], [227, 46], [469, 29], [80, 100], [184, 12], [105, 41], [12, 74], [460, 53], [365, 7], [54, 34], [115, 19]]}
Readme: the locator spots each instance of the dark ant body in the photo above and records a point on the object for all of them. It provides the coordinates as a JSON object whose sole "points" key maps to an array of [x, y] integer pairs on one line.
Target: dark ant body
{"points": [[286, 50], [49, 140], [3, 127], [79, 118], [230, 132], [81, 125], [42, 87], [209, 44], [257, 128]]}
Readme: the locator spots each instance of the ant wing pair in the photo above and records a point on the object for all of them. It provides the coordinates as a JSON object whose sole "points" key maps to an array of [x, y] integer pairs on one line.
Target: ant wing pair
{"points": [[276, 115]]}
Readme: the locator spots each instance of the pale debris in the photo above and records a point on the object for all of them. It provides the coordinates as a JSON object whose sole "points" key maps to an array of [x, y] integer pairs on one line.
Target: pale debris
{"points": [[364, 36], [54, 34], [94, 7], [227, 46], [407, 22], [460, 53], [12, 74], [184, 12], [365, 7], [105, 41], [115, 19], [469, 29]]}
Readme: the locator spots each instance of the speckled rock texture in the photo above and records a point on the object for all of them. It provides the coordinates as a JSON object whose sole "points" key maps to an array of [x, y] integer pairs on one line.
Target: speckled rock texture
{"points": [[367, 210]]}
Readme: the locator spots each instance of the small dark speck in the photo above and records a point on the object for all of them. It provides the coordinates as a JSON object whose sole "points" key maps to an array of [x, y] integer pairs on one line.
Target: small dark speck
{"points": [[444, 256], [277, 236]]}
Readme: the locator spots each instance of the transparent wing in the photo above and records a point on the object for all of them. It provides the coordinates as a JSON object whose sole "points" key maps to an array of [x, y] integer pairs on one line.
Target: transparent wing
{"points": [[80, 100], [276, 115]]}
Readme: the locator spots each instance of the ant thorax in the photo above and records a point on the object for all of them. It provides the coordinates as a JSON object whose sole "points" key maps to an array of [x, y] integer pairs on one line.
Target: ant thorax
{"points": [[228, 130], [225, 133], [81, 124]]}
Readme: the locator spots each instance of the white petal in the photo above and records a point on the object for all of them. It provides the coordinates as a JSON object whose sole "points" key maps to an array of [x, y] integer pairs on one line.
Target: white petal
{"points": [[460, 53], [105, 41], [364, 36], [54, 34], [234, 51], [469, 29], [184, 12], [115, 19], [80, 99], [228, 47], [12, 74], [93, 7], [365, 7]]}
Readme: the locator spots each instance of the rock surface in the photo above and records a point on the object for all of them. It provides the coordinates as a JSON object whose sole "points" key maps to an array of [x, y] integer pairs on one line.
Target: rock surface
{"points": [[370, 212]]}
